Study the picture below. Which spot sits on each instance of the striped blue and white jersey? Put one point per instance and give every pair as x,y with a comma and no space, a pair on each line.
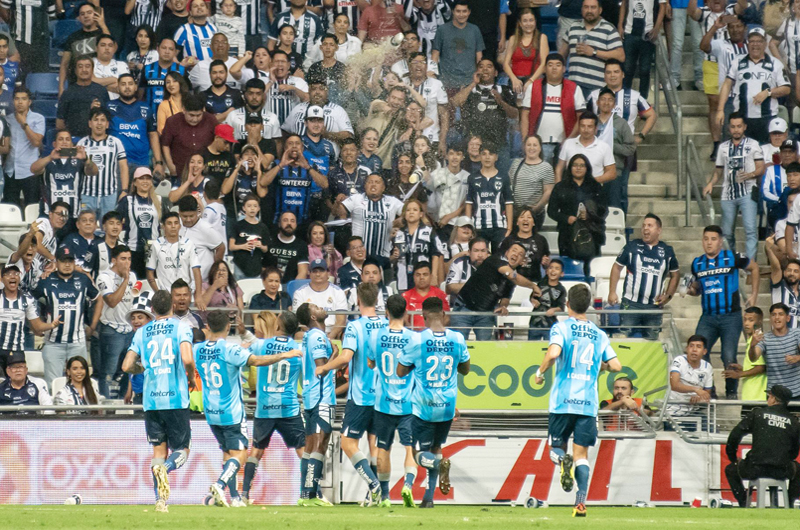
488,197
372,221
630,104
105,154
316,390
584,347
392,392
647,268
158,345
196,40
219,364
308,28
66,298
13,314
147,12
276,394
360,336
435,374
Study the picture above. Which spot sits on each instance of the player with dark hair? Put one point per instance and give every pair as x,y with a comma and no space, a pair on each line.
167,380
435,366
580,350
277,408
319,399
218,363
393,397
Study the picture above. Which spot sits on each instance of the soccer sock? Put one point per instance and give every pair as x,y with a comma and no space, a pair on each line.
433,477
557,454
411,474
155,462
425,459
315,463
582,478
361,464
249,474
373,465
175,461
233,485
304,491
384,478
229,470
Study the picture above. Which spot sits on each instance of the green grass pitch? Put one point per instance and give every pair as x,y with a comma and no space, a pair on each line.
442,517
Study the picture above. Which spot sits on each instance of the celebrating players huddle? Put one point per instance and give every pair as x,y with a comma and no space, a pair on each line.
401,382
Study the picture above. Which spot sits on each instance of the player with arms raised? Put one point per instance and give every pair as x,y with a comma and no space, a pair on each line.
277,407
219,364
580,350
393,397
435,366
165,398
319,399
359,338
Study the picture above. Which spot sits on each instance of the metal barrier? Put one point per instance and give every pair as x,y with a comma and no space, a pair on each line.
694,172
663,81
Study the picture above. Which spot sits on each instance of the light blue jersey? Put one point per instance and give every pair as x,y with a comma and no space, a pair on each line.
219,364
392,393
583,347
277,383
158,345
316,345
435,373
360,336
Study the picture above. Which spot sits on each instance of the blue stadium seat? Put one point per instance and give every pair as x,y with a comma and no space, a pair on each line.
49,138
62,29
294,285
46,107
44,86
573,270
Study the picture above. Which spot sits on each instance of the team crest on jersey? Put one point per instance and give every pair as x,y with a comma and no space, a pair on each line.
73,161
498,184
229,101
31,391
143,111
660,252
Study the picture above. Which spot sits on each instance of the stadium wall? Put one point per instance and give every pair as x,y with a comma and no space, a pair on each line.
107,462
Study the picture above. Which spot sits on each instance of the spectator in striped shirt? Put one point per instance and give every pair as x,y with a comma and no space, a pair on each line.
490,201
195,36
740,162
307,24
18,307
31,29
66,295
462,268
588,44
781,350
784,282
100,192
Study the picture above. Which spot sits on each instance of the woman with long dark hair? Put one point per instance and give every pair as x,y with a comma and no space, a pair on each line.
220,290
537,251
144,53
141,212
80,388
526,52
578,198
321,247
414,242
175,91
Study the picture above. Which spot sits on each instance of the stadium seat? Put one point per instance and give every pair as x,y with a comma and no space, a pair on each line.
602,288
552,240
31,213
614,245
601,267
573,270
46,107
10,214
33,358
250,287
763,485
549,225
615,221
62,29
294,285
57,384
44,86
11,226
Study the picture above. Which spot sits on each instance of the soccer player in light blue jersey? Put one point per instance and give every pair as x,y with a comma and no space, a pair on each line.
219,364
580,351
319,399
359,339
167,380
393,397
278,407
435,366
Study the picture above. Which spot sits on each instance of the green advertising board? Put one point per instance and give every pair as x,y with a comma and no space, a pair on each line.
502,374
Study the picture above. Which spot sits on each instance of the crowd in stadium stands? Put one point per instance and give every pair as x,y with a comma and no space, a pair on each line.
193,146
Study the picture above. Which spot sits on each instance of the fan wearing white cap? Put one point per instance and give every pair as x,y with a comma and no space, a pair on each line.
756,82
778,133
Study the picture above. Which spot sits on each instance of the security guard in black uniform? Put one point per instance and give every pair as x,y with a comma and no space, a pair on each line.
776,443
